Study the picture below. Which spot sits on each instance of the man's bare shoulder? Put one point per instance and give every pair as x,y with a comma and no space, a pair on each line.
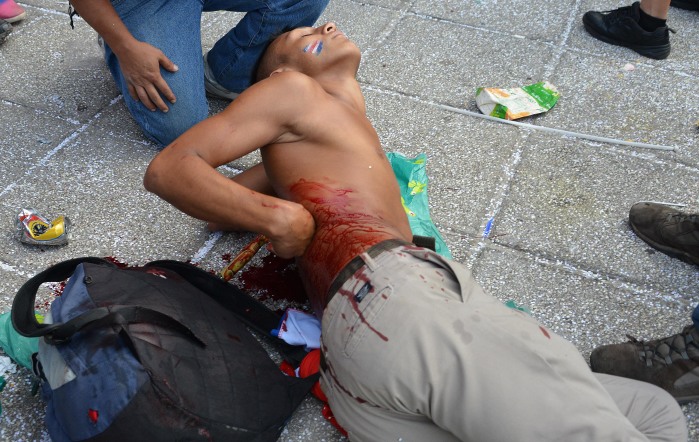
288,86
282,95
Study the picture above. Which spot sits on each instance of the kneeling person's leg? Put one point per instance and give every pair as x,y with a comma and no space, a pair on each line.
173,26
233,59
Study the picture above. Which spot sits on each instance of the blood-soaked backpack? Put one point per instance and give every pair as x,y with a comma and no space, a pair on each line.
156,353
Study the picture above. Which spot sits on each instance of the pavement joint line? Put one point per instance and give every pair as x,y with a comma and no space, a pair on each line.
12,269
59,147
206,248
615,280
42,9
213,236
232,169
638,62
467,26
653,159
42,112
561,47
561,132
388,29
509,171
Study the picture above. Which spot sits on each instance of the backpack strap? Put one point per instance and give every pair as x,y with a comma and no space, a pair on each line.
251,311
24,319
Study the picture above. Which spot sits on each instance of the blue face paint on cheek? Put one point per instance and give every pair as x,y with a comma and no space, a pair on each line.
314,48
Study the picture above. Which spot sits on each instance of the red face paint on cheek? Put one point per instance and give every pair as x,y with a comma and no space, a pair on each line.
314,48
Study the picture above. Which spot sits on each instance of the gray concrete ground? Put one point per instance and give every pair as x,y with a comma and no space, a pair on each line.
560,243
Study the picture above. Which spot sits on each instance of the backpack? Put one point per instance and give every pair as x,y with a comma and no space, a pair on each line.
161,352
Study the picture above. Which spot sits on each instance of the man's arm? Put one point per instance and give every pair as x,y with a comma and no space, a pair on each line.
185,174
140,62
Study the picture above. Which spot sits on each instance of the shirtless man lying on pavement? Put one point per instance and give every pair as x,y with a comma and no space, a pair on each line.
414,349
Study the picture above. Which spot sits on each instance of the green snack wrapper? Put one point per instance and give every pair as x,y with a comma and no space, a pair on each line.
514,103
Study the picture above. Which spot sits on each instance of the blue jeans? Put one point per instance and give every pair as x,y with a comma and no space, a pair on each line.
174,27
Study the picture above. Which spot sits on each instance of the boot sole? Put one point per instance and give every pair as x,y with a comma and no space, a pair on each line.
16,18
659,52
685,399
675,253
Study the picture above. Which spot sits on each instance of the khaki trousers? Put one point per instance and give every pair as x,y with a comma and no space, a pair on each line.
416,351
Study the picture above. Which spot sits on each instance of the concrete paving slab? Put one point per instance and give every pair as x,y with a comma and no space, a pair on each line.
597,95
48,6
397,5
367,32
576,208
61,71
443,62
512,18
114,119
466,160
100,189
22,414
309,424
25,135
215,25
572,310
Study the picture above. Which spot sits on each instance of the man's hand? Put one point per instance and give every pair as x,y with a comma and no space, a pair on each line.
140,63
293,230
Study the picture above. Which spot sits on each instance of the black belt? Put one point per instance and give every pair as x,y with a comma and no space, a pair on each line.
357,262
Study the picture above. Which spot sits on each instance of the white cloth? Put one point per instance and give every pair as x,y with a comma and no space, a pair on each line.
299,328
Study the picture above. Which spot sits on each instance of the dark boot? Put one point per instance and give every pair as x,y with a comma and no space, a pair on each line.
620,27
671,363
667,229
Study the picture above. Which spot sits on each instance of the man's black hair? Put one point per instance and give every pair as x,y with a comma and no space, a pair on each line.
269,42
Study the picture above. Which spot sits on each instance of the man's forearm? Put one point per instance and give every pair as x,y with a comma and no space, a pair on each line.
193,186
103,18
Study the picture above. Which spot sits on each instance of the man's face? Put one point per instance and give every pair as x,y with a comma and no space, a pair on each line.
315,48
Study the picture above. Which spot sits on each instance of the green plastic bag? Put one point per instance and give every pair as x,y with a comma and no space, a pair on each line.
412,180
16,346
2,387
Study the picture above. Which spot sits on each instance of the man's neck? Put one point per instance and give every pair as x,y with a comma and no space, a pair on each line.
344,89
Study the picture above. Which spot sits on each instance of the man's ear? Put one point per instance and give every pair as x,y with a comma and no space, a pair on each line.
280,70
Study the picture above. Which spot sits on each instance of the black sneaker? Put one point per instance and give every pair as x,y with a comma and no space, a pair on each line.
620,27
5,29
692,5
671,363
667,230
